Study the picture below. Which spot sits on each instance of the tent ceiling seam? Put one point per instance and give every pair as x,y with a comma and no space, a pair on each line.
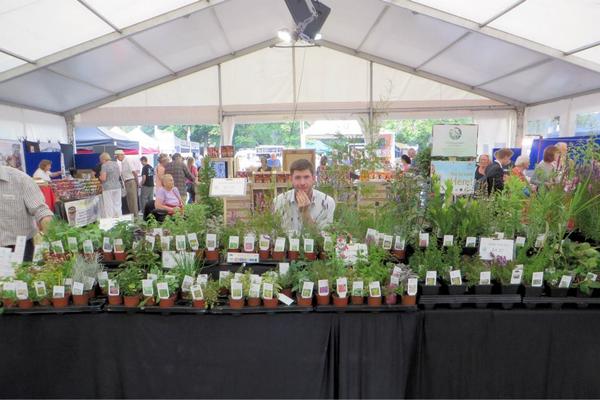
149,54
223,33
516,71
31,108
440,52
49,69
565,97
582,48
501,13
99,16
10,53
373,26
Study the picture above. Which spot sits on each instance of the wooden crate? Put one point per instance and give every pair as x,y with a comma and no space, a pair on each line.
291,155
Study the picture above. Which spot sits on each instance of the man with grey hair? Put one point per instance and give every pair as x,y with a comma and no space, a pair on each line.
129,174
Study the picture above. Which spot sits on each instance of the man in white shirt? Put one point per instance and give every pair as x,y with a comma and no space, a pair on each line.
129,174
304,205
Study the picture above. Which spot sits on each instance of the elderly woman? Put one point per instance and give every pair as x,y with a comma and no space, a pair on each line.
521,165
43,171
167,196
163,160
545,172
111,187
480,178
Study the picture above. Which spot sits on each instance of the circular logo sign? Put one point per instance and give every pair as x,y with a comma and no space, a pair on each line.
455,133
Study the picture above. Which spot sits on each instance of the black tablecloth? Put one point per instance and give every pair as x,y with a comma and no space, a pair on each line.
446,353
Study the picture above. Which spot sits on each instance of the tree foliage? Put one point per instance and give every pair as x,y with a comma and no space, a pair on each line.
417,132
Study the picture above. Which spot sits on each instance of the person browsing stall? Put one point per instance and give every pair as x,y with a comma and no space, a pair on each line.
111,187
147,190
168,197
22,209
494,173
179,172
129,174
304,205
43,171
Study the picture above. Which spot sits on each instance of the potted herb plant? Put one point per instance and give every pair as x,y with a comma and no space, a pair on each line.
270,297
130,284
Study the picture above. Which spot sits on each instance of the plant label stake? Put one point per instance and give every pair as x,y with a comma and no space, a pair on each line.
152,277
254,291
107,245
254,278
294,244
394,280
565,281
591,277
113,288
89,283
455,277
307,289
412,286
357,288
423,239
234,243
102,279
169,261
77,288
485,278
431,278
197,293
387,242
264,242
323,285
537,279
284,299
499,235
88,247
163,290
157,232
517,275
471,241
187,283
399,243
40,289
202,279
57,247
371,236
267,291
327,243
119,248
236,290
68,282
280,244
38,251
148,287
223,275
193,241
539,241
397,271
211,241
180,243
284,268
58,292
151,240
165,243
520,241
72,244
374,289
21,290
309,245
448,240
341,286
249,243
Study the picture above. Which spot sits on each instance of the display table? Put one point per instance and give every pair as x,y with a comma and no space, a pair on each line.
439,353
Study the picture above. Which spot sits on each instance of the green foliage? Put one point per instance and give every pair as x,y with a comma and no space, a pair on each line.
417,132
214,205
130,280
282,134
59,229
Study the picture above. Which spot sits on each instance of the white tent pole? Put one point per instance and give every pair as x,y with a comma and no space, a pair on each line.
371,127
70,122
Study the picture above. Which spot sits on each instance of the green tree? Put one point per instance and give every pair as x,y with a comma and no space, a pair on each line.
206,135
252,135
417,132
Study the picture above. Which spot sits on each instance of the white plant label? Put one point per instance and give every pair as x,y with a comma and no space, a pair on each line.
539,241
294,244
485,278
202,279
223,275
520,241
119,248
565,281
394,280
341,286
169,261
499,235
412,286
267,292
591,277
40,289
152,277
537,279
234,243
431,278
307,290
197,293
165,243
471,241
211,241
88,247
309,245
448,240
374,289
387,242
157,232
279,244
284,299
517,276
254,291
72,244
102,278
19,252
255,278
180,243
357,288
107,245
21,290
249,243
264,242
187,283
113,288
455,277
423,239
193,241
236,290
147,287
327,243
399,243
57,247
371,235
58,292
151,241
77,288
284,268
396,271
490,248
163,290
323,285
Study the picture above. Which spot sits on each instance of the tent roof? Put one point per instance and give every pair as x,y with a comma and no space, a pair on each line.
88,137
518,52
148,144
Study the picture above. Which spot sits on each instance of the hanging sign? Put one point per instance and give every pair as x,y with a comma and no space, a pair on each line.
454,141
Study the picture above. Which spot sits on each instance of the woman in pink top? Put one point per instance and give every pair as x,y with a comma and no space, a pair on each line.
167,196
163,160
190,186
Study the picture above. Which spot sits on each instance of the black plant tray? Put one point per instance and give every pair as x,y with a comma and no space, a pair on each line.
366,308
280,309
558,302
95,306
181,307
480,301
112,264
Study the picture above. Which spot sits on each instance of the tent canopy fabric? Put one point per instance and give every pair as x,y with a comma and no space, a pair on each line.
148,145
89,137
502,52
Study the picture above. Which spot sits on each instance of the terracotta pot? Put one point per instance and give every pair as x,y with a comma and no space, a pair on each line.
236,303
399,254
302,302
150,301
223,291
310,256
233,250
44,302
199,254
323,300
8,302
25,303
323,255
287,292
374,301
409,300
131,301
115,300
271,303
166,303
211,255
199,304
120,256
107,256
340,301
60,302
358,299
80,299
390,299
253,301
278,255
263,254
293,255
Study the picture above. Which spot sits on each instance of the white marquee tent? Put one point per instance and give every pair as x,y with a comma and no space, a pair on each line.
120,62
